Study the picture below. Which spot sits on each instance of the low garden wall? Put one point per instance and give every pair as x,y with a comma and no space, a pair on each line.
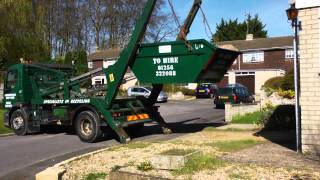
239,109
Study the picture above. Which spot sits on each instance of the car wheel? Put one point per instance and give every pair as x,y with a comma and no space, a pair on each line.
19,122
87,127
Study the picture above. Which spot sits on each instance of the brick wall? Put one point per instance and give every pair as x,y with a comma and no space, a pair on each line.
310,79
273,59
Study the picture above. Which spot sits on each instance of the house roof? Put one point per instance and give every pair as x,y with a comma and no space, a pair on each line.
260,44
105,54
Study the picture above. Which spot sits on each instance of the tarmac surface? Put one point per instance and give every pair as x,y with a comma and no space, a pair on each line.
23,157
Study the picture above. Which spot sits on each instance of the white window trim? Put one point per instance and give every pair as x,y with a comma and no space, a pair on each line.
289,54
254,55
90,64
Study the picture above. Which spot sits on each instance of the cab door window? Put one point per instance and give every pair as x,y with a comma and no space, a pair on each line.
12,78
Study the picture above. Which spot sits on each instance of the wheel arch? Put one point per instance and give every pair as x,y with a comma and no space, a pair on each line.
82,108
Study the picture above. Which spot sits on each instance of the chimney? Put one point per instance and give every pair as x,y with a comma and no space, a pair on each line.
249,37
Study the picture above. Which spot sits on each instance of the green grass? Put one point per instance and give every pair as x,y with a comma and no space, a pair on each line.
235,145
145,166
238,176
177,152
248,118
227,130
134,145
200,162
3,130
137,145
95,176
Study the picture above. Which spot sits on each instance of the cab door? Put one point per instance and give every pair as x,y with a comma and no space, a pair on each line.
11,88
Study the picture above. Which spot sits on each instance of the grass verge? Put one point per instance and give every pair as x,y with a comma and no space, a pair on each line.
199,162
134,145
95,176
209,129
177,152
3,130
230,146
248,118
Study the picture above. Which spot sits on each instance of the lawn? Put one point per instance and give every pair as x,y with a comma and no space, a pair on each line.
248,118
3,130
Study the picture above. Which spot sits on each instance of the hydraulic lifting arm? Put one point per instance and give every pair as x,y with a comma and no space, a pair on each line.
115,73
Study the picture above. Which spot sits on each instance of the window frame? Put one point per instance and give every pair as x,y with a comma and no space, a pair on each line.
10,89
253,55
289,55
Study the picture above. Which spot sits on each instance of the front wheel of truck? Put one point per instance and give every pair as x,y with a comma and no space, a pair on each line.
19,122
87,127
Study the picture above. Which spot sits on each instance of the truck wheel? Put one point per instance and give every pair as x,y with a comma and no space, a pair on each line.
87,127
19,122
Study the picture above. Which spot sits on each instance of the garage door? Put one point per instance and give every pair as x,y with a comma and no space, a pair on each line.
247,81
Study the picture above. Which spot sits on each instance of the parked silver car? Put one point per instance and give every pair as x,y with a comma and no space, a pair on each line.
146,91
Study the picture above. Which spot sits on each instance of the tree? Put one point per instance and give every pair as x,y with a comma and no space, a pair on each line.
233,30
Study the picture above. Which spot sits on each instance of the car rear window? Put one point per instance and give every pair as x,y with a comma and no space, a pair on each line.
204,85
225,91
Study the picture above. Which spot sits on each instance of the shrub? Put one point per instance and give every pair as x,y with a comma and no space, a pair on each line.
286,93
176,88
273,83
288,81
96,176
145,166
282,118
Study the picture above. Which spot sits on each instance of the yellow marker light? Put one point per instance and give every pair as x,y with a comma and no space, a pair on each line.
137,117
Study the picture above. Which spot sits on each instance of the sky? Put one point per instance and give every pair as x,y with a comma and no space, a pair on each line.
271,12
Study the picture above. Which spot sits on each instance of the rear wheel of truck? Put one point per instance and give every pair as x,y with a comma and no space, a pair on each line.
19,122
87,127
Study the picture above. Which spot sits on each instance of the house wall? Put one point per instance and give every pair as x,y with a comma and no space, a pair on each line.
273,59
261,76
309,79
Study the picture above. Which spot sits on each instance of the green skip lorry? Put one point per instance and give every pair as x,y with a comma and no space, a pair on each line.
44,94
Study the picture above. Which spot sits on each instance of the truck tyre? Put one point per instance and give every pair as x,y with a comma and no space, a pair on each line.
19,122
87,127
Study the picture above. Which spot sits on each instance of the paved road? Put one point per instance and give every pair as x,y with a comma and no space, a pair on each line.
22,157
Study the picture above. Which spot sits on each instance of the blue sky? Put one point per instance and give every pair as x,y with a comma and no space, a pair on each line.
271,12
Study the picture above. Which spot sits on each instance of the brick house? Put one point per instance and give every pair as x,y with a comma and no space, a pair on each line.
105,58
309,46
102,58
260,60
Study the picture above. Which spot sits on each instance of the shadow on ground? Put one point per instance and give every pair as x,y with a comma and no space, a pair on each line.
280,127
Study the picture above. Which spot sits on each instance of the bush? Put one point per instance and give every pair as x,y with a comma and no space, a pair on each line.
288,81
282,118
286,94
176,88
273,83
145,166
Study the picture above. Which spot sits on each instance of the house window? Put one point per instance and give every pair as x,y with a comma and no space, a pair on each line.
289,54
253,57
90,64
